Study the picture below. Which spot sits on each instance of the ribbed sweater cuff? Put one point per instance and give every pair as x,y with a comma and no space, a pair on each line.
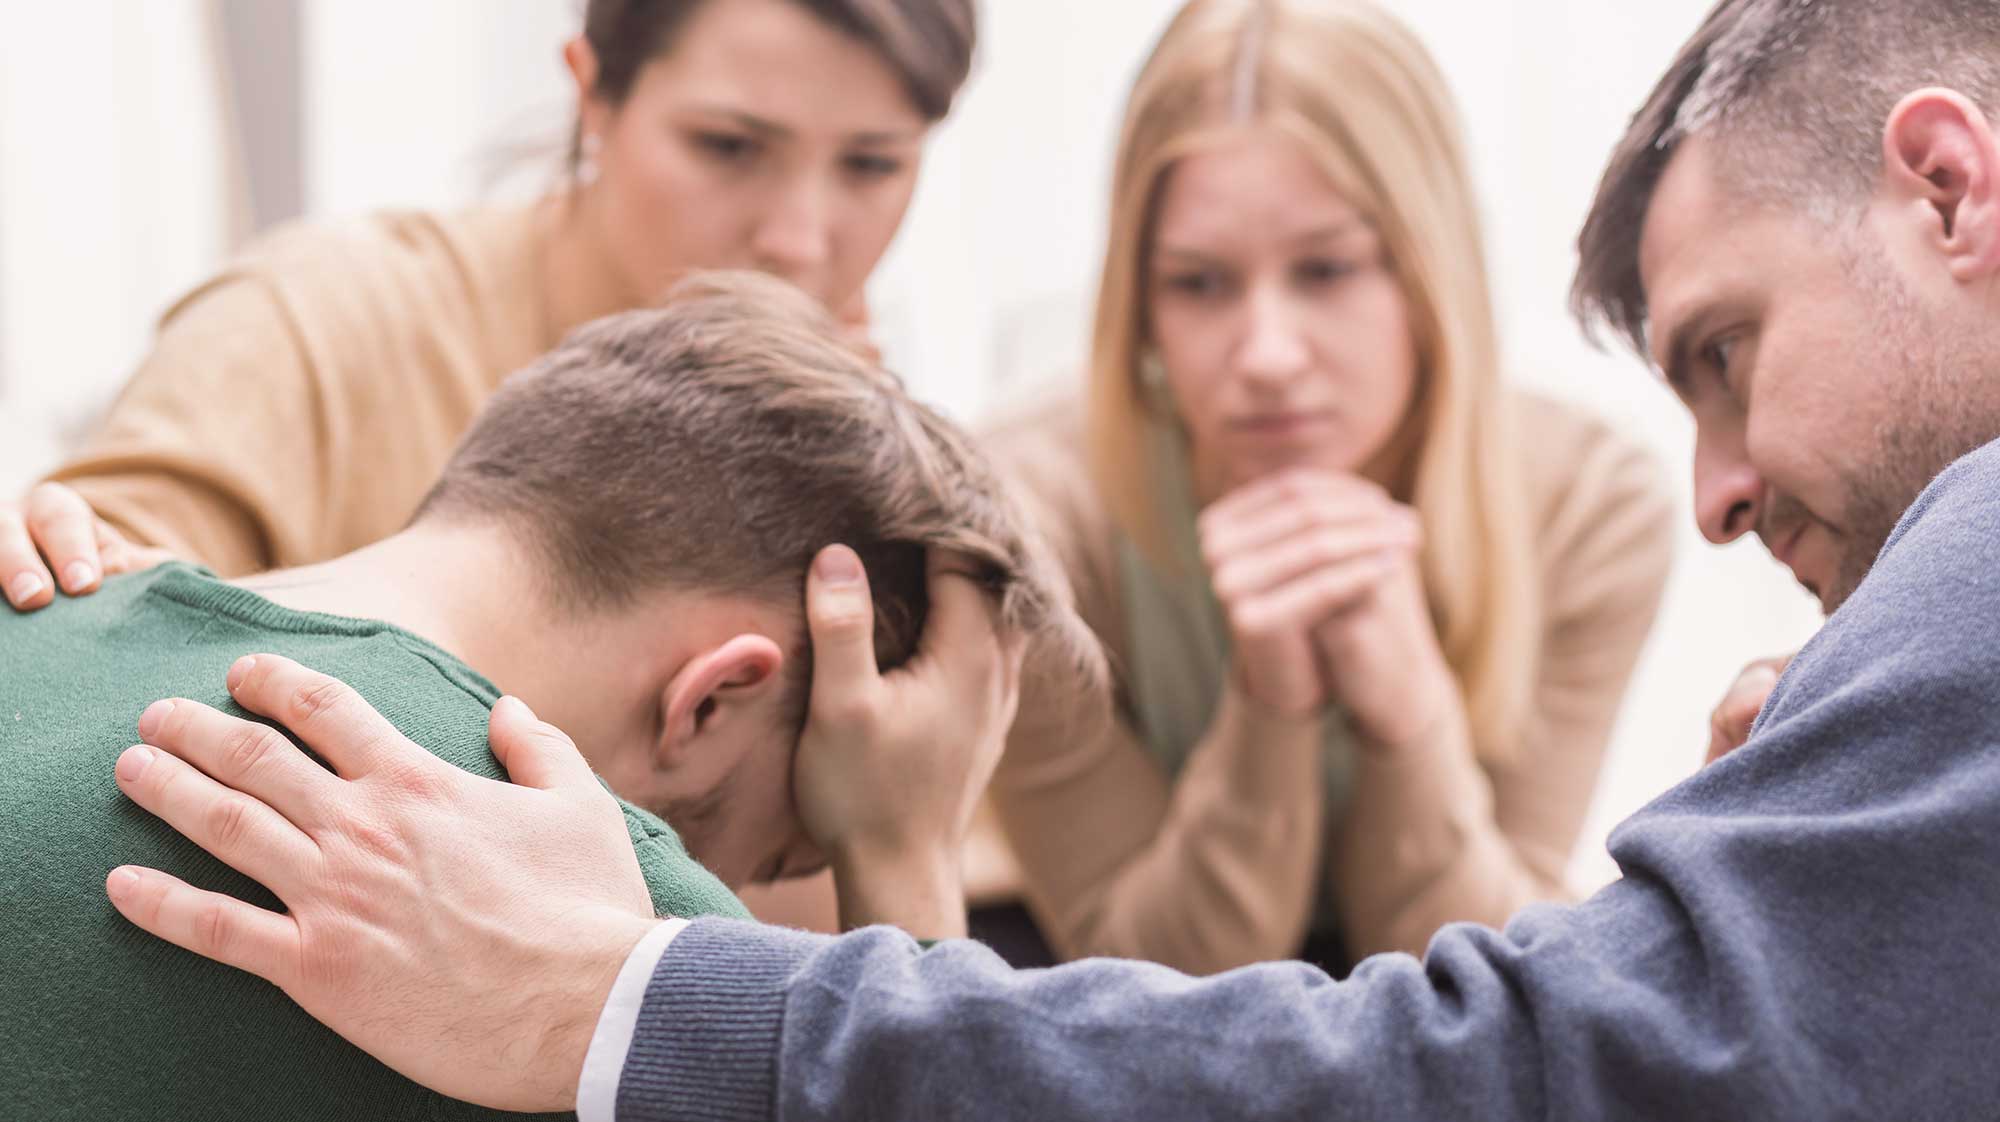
707,1041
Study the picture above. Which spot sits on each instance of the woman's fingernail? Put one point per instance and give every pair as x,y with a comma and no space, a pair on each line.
26,587
149,721
79,574
134,763
240,670
838,565
510,699
121,885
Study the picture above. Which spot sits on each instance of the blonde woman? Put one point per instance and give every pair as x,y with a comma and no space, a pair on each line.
1373,611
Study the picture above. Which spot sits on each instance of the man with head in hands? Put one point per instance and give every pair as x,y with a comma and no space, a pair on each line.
622,542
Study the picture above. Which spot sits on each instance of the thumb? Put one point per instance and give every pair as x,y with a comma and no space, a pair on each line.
535,753
840,615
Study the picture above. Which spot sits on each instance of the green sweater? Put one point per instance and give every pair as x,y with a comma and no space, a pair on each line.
99,1020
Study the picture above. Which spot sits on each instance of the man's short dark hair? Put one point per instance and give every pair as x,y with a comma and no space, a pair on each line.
717,444
1795,93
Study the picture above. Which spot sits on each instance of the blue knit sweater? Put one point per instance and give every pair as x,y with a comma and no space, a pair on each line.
1804,931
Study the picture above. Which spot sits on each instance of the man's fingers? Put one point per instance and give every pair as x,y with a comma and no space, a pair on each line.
65,529
840,616
208,923
24,580
535,753
323,712
253,758
963,634
235,828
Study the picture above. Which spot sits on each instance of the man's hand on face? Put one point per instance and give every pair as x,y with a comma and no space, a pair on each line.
1729,725
465,932
891,767
53,538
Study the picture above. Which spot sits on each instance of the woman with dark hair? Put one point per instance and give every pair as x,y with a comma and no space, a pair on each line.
297,405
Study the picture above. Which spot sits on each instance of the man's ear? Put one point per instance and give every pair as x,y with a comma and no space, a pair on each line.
715,685
1939,151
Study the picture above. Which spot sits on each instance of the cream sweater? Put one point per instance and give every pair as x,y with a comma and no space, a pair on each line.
300,404
1220,865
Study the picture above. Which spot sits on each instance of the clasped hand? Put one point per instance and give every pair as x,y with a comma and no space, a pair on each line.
1319,578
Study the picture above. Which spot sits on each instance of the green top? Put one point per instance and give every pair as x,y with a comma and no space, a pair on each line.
99,1020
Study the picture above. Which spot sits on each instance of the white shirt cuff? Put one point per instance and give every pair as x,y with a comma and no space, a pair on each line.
597,1090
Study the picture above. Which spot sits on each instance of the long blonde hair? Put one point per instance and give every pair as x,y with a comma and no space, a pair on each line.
1361,96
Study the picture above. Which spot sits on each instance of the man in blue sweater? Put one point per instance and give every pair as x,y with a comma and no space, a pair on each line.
1803,228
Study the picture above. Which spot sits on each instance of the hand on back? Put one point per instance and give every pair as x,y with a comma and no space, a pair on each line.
464,931
53,539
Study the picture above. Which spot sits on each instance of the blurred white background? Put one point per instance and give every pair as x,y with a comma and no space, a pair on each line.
130,167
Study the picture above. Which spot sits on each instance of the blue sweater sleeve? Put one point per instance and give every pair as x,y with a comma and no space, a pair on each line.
1802,931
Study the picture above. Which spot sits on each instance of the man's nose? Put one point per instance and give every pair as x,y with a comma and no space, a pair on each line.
1729,493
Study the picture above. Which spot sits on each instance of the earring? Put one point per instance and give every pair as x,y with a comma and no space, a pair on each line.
586,161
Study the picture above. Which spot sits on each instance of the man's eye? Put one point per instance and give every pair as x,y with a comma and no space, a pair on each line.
1717,354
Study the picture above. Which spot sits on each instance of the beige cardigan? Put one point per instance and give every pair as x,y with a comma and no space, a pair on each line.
1221,866
300,404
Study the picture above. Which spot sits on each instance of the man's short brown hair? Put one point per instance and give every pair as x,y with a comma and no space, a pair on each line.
717,444
1796,94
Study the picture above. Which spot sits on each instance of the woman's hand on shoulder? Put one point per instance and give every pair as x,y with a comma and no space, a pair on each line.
1290,553
53,531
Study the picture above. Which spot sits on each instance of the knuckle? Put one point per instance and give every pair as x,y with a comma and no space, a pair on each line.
247,746
316,697
849,711
1225,584
415,783
382,845
228,821
210,928
1250,622
846,621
